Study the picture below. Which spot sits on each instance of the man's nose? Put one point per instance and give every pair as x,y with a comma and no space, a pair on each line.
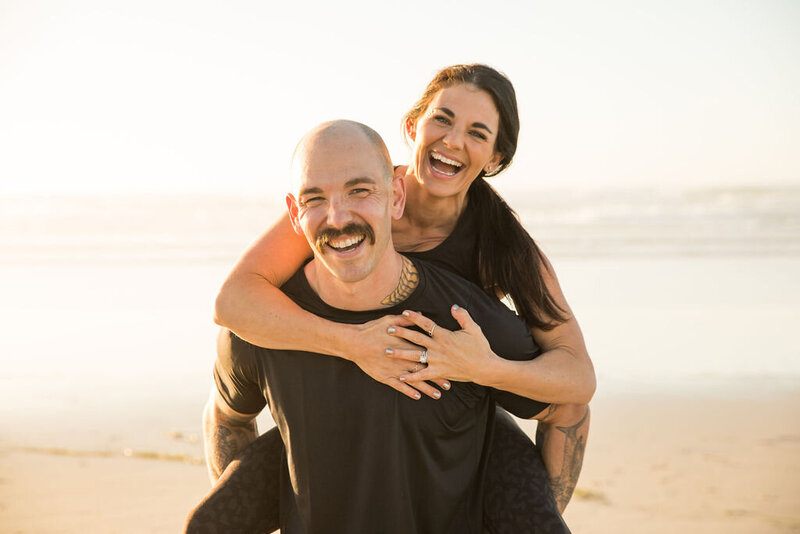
338,213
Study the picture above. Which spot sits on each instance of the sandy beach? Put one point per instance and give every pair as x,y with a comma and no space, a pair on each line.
656,463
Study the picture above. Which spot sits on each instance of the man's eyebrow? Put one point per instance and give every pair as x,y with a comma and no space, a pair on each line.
360,180
310,191
452,115
349,183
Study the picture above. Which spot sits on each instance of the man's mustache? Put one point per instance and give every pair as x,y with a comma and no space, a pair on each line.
327,234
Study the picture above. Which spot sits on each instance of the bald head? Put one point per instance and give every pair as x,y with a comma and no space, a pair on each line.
357,140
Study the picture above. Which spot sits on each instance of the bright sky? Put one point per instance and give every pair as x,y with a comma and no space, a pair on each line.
170,96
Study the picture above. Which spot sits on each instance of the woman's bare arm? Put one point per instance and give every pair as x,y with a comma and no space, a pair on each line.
251,305
562,374
564,370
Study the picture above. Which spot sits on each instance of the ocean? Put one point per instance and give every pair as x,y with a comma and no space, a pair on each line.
107,301
568,223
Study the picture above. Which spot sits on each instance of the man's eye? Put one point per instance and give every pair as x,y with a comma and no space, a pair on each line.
312,200
360,191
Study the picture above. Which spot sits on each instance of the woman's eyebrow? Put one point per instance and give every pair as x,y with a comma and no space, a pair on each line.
452,115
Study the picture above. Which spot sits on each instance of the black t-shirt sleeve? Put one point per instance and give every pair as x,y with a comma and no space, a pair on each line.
236,374
511,339
522,407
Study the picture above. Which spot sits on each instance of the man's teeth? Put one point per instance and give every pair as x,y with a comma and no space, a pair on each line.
347,242
436,155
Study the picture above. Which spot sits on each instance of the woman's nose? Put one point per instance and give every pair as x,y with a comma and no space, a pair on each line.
454,139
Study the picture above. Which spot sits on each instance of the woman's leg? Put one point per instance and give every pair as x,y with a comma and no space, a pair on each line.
517,493
245,499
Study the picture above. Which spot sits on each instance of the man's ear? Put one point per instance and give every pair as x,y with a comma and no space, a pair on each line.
291,207
398,196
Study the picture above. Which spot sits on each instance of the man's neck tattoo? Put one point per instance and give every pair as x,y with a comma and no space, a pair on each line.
409,279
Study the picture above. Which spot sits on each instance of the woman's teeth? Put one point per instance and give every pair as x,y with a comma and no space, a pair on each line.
445,165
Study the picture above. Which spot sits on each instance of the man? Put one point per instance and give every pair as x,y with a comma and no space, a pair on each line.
360,457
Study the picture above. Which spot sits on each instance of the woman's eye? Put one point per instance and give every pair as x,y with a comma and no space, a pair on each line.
479,135
441,119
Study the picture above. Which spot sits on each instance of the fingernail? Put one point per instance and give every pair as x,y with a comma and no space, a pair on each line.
406,314
390,330
437,394
417,396
402,379
389,351
456,306
446,385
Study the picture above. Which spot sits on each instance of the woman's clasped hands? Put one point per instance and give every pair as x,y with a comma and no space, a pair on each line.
461,355
389,371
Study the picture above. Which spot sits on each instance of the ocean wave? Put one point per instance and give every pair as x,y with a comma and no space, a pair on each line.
734,221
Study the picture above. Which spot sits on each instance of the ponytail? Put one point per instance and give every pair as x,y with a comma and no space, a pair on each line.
510,261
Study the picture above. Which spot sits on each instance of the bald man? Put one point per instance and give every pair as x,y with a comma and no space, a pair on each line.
361,457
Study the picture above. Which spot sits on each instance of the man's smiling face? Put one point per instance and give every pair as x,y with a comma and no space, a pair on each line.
344,202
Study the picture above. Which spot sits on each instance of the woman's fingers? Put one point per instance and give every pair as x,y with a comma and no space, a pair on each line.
418,338
463,317
409,355
420,376
442,383
399,320
404,388
407,388
424,387
427,325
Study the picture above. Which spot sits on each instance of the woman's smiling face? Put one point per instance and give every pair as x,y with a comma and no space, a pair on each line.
454,140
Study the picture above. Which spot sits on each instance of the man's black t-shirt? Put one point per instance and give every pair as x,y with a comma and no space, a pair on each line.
361,456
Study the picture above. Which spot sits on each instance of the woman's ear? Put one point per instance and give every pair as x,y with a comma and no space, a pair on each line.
411,129
493,163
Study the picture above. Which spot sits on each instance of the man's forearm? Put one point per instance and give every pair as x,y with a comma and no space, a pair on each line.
224,440
562,439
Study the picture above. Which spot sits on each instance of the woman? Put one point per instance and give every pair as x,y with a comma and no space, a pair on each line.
463,128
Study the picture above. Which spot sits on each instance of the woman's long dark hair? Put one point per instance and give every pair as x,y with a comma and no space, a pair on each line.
508,258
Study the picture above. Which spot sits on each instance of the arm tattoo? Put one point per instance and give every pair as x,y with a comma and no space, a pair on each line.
550,410
225,443
409,279
574,447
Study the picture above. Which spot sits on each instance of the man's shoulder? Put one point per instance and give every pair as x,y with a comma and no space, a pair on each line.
299,290
501,326
440,280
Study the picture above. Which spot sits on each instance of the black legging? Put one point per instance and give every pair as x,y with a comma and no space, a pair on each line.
517,497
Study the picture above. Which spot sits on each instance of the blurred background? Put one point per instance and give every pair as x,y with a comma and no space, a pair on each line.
144,145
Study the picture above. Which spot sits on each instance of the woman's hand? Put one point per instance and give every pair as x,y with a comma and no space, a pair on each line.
461,355
369,352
